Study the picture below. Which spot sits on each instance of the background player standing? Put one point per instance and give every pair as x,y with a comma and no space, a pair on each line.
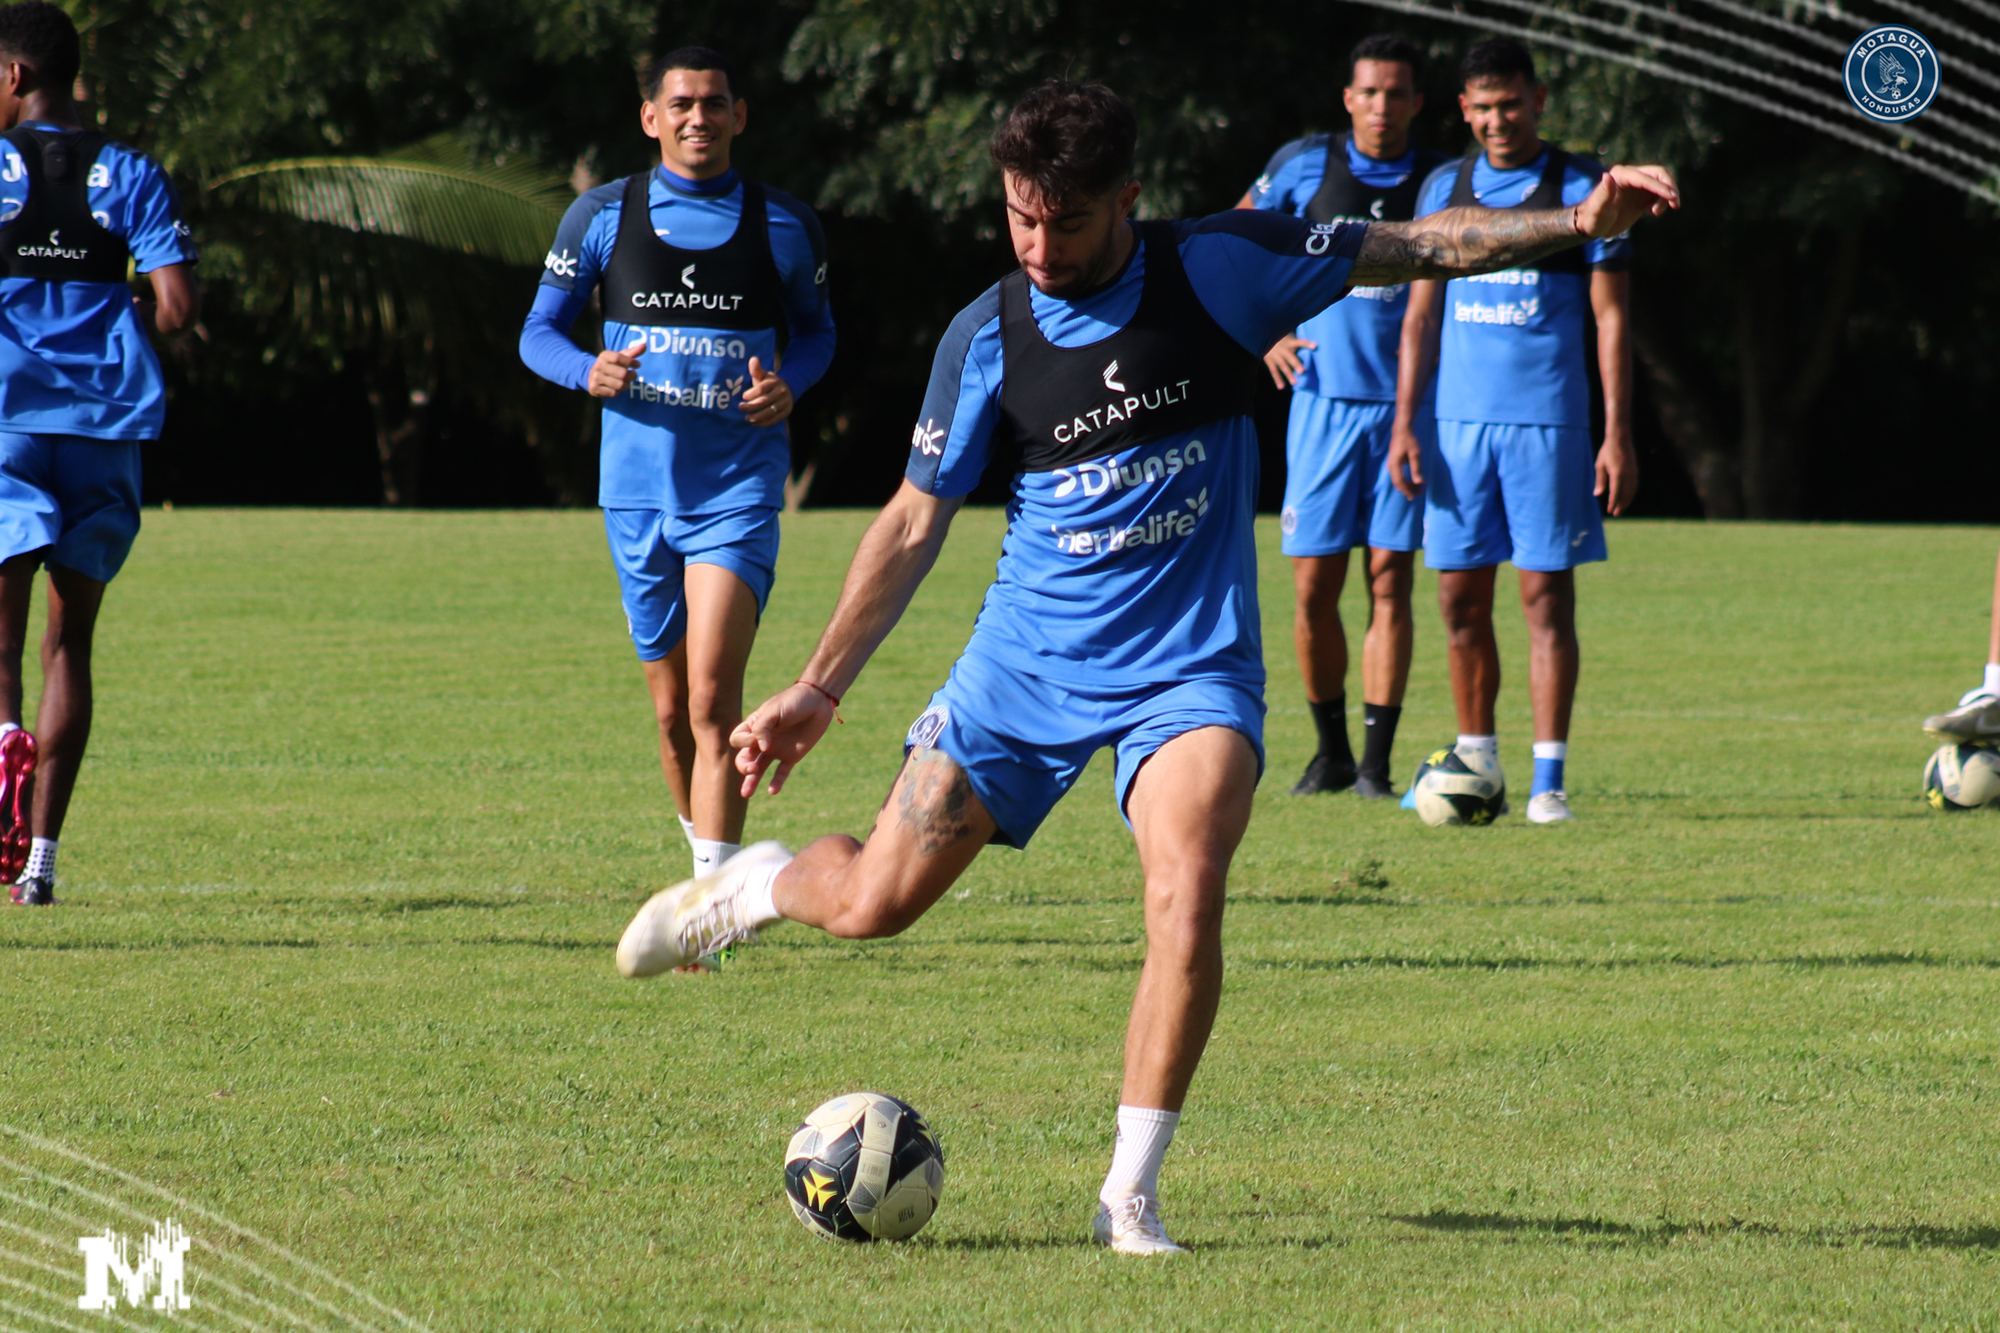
715,318
1123,612
80,390
1337,491
1512,476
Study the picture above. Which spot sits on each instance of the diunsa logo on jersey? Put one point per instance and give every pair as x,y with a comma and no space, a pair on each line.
925,438
1111,475
1891,73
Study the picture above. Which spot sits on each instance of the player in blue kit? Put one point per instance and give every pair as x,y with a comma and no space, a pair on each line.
80,391
715,320
1112,377
1512,476
1337,491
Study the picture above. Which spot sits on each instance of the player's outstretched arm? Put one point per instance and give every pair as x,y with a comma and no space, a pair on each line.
1455,242
895,554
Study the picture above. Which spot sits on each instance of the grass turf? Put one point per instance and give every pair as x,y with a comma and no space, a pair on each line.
371,796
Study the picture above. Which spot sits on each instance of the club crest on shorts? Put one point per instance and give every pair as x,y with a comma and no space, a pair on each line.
1891,73
1288,521
925,731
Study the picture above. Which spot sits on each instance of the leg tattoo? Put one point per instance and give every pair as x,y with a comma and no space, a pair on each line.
932,800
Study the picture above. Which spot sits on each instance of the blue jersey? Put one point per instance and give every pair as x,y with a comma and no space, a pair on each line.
1138,567
74,359
1513,347
678,440
1358,338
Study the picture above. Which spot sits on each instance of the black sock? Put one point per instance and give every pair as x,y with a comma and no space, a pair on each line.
1331,719
1378,737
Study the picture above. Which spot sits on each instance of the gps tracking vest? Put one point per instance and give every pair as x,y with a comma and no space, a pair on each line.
1170,370
1548,194
54,238
1342,198
733,286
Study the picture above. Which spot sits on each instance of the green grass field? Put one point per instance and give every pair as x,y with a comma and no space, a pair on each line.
372,795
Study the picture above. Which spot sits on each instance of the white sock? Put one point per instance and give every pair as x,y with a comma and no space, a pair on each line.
1143,1136
1551,749
6,727
755,900
41,857
1474,744
687,827
709,854
1992,680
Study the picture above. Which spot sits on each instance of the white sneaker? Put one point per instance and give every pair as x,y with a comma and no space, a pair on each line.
1551,807
1975,720
1133,1227
695,919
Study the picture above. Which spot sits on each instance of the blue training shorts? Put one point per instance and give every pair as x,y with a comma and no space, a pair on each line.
76,498
1023,740
652,550
1337,490
1520,493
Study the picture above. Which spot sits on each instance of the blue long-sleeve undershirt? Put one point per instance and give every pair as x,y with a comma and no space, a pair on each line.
549,351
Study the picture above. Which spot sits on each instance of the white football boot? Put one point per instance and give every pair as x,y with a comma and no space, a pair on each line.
695,919
1487,763
1551,807
1976,720
1133,1227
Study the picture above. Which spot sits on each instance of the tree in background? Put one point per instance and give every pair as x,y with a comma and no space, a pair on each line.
1788,319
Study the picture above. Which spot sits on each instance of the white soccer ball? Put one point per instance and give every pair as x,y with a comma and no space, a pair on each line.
864,1167
1451,791
1962,777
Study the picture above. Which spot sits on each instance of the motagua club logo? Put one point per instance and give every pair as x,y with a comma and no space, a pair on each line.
1891,73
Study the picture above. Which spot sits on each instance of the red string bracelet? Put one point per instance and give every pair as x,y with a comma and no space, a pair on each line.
829,697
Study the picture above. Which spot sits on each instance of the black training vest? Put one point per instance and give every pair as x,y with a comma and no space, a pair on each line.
1169,370
1548,194
1342,197
53,237
733,286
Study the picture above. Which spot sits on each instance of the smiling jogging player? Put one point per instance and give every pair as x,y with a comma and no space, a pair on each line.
1341,366
715,319
1112,376
80,388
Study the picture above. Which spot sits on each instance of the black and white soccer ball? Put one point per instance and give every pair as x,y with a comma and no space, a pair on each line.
1962,777
1451,791
864,1167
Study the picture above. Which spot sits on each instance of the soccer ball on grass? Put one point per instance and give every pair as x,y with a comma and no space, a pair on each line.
1451,791
864,1167
1962,777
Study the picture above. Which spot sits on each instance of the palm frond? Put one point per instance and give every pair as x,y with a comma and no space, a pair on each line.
436,192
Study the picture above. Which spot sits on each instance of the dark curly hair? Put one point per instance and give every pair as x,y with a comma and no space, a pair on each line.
1068,141
1497,59
44,37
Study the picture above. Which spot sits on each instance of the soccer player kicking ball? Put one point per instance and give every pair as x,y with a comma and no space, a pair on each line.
1976,720
1341,366
1511,476
715,318
1116,368
80,390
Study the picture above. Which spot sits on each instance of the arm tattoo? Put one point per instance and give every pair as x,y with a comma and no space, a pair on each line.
931,800
1456,242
